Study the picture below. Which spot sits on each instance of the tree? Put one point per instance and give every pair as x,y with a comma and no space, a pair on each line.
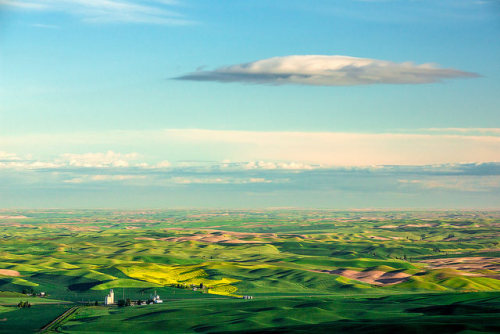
128,302
22,304
121,303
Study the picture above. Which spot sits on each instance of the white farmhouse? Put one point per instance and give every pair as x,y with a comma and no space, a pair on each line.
156,298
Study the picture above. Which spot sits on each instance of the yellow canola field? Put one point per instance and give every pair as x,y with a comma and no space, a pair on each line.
179,274
227,290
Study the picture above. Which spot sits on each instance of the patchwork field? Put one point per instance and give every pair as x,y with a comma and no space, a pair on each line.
357,270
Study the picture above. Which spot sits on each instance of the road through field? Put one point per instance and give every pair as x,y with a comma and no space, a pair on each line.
59,319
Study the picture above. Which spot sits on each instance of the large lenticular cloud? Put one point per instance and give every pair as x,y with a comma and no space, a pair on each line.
322,70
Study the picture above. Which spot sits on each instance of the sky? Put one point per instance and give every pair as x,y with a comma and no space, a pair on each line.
338,104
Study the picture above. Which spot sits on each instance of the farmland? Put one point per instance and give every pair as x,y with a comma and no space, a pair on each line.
334,270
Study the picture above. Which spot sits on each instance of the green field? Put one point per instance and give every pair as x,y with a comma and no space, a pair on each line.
357,271
404,313
13,320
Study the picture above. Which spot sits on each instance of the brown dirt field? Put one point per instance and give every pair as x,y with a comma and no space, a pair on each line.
211,238
465,263
208,215
83,229
215,236
23,225
419,225
8,272
375,277
464,226
13,217
237,234
239,241
221,236
69,226
388,226
261,225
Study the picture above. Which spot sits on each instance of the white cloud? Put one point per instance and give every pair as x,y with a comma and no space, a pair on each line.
86,160
76,180
118,177
99,160
107,11
104,178
253,149
12,160
342,149
492,131
6,156
277,165
459,183
322,70
221,180
162,164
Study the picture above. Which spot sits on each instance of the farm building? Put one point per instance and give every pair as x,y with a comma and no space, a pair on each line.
156,298
110,299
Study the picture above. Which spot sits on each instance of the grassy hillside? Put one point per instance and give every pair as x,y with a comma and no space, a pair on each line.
77,256
407,313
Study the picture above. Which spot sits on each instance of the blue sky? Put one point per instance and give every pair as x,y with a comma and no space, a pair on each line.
114,103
